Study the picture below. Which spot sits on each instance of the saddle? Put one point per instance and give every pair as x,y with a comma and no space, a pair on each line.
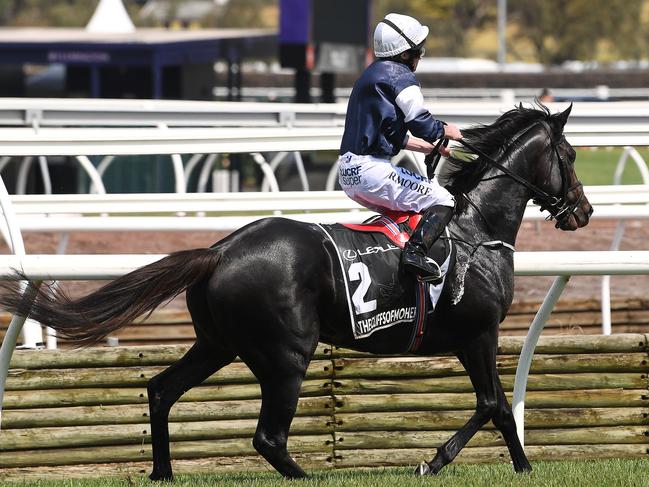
386,305
397,226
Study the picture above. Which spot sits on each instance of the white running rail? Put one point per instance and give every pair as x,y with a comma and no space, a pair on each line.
229,211
27,143
66,112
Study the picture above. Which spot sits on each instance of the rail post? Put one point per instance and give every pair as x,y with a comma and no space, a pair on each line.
525,359
33,333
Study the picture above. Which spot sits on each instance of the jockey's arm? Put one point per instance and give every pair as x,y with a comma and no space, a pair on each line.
420,121
420,145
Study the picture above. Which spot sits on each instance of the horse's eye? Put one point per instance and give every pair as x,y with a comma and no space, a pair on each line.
569,156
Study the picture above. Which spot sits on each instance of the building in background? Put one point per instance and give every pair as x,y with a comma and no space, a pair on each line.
110,58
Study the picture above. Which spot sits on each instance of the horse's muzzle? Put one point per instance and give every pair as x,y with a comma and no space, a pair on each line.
580,210
583,213
578,218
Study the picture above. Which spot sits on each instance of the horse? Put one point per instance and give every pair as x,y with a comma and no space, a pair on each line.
270,291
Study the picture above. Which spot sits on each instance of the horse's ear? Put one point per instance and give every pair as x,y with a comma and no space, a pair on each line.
562,117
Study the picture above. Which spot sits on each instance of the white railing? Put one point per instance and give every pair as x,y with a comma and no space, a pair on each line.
65,112
142,141
110,266
138,140
60,127
205,143
257,202
229,211
245,202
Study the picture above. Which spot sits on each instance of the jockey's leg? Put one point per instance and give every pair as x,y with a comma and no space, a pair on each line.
414,258
381,186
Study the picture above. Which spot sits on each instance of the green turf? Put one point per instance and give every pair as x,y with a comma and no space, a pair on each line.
597,166
623,473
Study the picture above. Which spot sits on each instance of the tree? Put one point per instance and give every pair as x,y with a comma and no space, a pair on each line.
448,20
248,14
561,30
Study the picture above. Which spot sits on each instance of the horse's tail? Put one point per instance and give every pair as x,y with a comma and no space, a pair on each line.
91,318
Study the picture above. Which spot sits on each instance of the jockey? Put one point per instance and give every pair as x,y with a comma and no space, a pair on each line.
386,102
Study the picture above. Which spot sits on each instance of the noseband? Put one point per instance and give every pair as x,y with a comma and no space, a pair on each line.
559,207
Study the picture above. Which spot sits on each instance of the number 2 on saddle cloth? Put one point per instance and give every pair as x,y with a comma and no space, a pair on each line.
382,299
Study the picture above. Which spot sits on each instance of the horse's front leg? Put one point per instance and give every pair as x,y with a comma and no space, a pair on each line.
479,360
503,419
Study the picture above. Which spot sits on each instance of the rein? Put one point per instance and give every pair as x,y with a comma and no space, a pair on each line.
539,194
559,208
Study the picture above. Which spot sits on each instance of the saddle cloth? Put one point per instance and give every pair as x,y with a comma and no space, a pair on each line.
381,297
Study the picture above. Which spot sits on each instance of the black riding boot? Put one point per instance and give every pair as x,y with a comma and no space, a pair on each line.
414,257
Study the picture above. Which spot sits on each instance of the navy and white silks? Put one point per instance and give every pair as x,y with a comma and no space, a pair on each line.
386,102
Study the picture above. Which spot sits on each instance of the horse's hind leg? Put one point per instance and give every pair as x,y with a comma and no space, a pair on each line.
280,365
165,389
279,402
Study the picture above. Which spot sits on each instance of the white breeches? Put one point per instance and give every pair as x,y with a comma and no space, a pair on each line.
379,185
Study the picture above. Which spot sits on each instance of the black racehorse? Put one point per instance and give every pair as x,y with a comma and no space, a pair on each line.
271,290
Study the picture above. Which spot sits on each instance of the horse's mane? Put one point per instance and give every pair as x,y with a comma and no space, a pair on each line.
460,176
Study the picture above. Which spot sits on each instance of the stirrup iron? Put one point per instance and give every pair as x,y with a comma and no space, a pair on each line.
426,270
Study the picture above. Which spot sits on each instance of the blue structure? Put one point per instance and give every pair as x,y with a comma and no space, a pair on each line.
148,63
327,36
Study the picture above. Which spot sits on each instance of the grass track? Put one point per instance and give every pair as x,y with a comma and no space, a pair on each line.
622,473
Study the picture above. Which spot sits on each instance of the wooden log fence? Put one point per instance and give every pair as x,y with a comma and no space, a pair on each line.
75,413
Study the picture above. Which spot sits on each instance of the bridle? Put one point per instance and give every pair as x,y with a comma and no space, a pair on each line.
560,209
558,206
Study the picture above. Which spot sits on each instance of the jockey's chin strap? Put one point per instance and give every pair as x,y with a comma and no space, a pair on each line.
559,208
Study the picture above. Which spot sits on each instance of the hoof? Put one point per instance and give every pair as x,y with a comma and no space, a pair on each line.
296,477
161,477
422,469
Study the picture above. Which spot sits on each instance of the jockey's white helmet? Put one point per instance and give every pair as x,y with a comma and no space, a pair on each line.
397,33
